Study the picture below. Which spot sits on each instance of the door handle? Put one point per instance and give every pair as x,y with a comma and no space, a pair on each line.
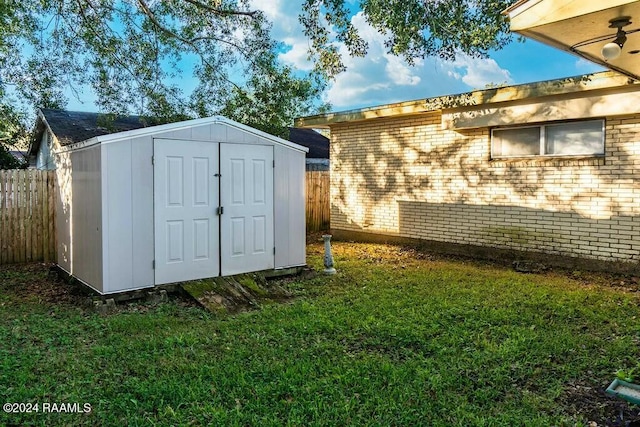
220,210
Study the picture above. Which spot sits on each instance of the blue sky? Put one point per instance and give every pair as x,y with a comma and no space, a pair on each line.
381,78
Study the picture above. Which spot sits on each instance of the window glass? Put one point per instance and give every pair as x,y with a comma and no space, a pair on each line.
574,138
558,139
516,142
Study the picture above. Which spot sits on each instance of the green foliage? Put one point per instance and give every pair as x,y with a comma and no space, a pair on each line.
133,56
414,28
13,134
629,375
7,161
393,339
272,96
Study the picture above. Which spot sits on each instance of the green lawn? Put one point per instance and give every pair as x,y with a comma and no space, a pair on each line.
396,338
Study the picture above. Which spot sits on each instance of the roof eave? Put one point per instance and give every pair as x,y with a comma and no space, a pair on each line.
39,128
119,136
589,82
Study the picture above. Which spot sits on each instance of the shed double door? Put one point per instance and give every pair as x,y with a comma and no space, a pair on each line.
213,209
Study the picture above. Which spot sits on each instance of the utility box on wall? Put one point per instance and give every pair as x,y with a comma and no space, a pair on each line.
176,202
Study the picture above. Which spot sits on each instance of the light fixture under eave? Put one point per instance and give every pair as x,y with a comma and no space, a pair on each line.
612,50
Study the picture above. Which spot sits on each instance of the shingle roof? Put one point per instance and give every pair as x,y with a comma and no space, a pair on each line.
70,127
75,126
318,144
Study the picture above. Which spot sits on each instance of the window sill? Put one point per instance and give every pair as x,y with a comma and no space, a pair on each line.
583,160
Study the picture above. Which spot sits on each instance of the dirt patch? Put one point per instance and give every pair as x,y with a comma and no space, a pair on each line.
39,283
597,408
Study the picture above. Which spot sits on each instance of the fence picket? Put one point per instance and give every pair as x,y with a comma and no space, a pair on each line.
4,221
318,212
27,216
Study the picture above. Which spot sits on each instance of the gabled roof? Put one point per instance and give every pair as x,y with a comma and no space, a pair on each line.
317,143
75,129
70,127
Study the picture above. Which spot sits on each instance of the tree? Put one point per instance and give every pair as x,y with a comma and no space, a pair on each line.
132,54
414,28
7,161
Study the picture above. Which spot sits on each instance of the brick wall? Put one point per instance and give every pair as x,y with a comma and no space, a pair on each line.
408,177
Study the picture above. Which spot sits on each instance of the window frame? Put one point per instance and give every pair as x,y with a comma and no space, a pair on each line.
542,127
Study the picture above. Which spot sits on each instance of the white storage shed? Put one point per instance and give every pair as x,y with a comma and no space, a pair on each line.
176,202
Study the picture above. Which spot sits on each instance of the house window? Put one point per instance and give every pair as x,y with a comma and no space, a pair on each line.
562,139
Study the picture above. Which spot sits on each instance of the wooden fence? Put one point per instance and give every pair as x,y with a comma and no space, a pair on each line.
27,216
318,204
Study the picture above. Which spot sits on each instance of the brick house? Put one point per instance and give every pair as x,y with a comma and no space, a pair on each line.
549,170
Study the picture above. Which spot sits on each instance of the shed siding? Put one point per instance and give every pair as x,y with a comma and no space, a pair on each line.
128,201
289,205
87,216
408,177
118,220
142,211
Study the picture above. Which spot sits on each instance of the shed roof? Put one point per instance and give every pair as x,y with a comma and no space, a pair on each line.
76,129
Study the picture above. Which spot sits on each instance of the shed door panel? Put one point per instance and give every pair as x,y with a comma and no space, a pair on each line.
246,193
185,200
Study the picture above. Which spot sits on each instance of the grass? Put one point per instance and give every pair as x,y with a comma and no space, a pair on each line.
396,338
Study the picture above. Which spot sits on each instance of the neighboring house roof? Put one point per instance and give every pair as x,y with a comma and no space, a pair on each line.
317,143
18,155
561,99
74,126
70,127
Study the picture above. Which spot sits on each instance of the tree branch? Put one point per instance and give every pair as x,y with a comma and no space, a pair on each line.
222,12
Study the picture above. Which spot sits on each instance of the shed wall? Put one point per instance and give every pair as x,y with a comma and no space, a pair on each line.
408,177
127,191
128,214
86,230
289,206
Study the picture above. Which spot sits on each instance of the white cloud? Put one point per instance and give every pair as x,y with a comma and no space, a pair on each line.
280,13
379,77
481,71
297,53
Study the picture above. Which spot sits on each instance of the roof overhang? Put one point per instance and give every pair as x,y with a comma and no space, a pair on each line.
566,89
582,28
40,127
151,130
